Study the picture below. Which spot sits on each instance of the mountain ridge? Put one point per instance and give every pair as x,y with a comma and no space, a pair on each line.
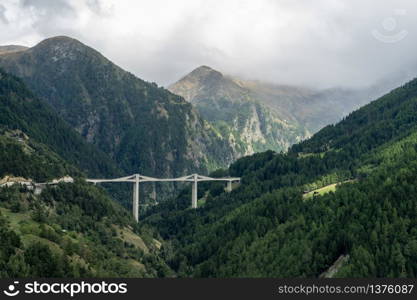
12,48
238,116
310,108
142,127
348,191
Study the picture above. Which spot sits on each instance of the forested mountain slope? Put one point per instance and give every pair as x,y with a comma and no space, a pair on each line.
391,117
69,229
143,128
349,192
20,109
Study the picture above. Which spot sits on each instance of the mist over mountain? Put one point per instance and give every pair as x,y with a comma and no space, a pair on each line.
325,43
237,113
309,109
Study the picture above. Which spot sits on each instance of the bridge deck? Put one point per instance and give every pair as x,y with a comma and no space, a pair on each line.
137,178
190,178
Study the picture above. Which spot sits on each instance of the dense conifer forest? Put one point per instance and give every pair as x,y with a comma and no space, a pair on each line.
348,194
267,227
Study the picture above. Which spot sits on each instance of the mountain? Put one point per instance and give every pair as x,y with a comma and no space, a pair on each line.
236,113
11,48
258,116
316,108
340,204
21,110
142,127
67,229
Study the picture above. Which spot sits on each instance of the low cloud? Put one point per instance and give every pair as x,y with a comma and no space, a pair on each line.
320,43
3,15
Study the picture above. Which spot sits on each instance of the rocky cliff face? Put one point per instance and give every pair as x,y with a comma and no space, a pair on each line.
313,108
256,116
143,127
235,112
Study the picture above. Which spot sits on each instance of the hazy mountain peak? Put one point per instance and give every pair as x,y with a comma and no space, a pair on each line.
203,75
204,71
202,82
12,48
59,39
62,48
234,111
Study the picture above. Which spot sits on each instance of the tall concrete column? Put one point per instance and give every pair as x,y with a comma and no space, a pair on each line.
136,198
194,192
229,186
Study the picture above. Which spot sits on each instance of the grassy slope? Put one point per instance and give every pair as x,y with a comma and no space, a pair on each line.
80,225
78,222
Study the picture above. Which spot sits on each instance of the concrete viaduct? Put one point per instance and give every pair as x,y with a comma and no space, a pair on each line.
137,178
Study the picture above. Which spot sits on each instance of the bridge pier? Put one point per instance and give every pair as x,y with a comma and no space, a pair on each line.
229,186
136,179
194,192
135,206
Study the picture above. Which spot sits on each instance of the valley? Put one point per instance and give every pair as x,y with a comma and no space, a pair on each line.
266,228
141,127
335,201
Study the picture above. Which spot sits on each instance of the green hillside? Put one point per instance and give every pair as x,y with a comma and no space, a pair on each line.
344,200
70,229
268,228
20,109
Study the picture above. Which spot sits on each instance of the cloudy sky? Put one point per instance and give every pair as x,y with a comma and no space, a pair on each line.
304,42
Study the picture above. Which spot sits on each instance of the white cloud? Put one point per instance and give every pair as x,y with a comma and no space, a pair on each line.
318,43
